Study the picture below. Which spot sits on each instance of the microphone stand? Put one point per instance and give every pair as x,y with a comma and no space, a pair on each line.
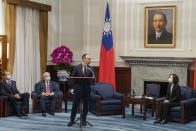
80,118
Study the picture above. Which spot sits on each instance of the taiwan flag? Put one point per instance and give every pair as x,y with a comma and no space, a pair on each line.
107,60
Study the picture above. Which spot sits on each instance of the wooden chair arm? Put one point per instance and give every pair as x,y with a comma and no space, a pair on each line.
98,105
1,107
34,104
182,113
60,103
6,107
157,108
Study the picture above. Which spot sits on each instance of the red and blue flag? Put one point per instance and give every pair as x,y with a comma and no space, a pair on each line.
107,60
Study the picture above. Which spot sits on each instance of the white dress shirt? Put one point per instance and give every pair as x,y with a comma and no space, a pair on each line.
158,35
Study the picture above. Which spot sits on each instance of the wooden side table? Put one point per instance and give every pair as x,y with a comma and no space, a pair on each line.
133,101
64,87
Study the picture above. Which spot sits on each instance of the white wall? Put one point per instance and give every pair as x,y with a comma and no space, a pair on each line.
81,26
2,18
72,26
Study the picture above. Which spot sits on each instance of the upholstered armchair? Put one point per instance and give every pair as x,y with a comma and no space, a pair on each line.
1,107
103,99
8,108
36,100
187,109
152,90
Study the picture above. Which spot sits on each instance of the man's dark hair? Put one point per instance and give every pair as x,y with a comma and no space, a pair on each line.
161,13
175,78
84,55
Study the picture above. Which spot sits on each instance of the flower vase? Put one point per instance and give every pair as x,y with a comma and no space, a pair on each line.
63,75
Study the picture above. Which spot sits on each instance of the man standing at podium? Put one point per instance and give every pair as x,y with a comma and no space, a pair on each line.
82,88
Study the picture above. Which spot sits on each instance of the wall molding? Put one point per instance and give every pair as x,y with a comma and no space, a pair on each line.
157,1
118,63
190,24
117,27
60,23
86,47
160,50
125,27
132,25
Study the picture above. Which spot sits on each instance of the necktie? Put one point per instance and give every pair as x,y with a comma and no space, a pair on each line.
84,69
47,87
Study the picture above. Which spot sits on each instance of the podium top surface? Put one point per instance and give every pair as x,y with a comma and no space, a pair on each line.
81,77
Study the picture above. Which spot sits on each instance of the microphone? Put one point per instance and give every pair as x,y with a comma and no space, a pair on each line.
133,92
92,72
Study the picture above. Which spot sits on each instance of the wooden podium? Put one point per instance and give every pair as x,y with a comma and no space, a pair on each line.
81,103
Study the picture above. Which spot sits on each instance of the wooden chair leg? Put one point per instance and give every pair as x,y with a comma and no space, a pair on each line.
6,108
34,104
60,103
157,109
1,107
98,106
140,108
182,114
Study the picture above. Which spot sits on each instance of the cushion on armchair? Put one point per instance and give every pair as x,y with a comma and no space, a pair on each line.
186,93
152,90
111,101
105,90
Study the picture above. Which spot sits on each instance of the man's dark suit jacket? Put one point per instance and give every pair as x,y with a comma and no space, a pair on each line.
42,87
10,90
82,85
175,96
2,90
165,38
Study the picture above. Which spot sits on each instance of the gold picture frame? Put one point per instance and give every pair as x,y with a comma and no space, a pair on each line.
160,27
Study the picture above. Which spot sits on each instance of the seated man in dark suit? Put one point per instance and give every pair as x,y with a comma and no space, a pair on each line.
10,90
47,91
2,91
173,98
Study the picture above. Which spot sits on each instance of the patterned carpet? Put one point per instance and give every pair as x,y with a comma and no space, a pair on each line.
35,122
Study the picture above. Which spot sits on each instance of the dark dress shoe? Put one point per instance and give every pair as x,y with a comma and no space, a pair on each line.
24,114
157,121
51,112
19,115
84,123
163,122
44,114
70,123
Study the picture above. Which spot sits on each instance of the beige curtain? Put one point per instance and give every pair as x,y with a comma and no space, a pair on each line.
11,33
43,36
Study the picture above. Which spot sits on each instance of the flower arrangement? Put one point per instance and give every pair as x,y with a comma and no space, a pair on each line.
62,57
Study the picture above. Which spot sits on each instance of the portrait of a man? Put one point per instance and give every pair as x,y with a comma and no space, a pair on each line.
160,27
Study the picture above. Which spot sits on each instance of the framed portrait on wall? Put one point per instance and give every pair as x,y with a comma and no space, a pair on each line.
160,27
